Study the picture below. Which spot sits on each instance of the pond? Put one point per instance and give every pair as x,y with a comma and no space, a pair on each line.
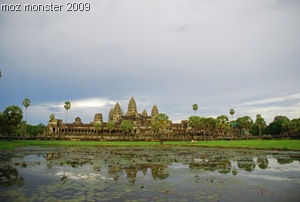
162,173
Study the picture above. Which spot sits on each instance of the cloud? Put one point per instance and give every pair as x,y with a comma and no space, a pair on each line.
286,105
92,102
217,54
286,98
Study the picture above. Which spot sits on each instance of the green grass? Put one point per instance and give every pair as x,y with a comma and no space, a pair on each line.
251,144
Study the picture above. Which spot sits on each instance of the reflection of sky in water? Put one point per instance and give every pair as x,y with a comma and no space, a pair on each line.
82,176
274,171
178,166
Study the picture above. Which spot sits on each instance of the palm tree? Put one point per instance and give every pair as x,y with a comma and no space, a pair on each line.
126,126
110,126
67,106
52,117
231,112
97,126
222,123
194,123
244,124
260,123
195,108
26,103
160,123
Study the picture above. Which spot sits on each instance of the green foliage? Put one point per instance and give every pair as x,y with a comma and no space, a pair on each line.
32,130
13,115
97,126
208,124
223,119
194,122
222,124
244,124
293,127
259,125
52,117
67,105
26,102
195,107
110,125
4,129
276,127
281,125
231,112
160,123
126,126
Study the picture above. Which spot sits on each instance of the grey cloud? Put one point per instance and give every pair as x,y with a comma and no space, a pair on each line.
174,53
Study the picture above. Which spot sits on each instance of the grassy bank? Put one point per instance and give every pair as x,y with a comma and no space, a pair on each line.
251,144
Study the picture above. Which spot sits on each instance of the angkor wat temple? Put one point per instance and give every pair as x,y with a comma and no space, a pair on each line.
141,122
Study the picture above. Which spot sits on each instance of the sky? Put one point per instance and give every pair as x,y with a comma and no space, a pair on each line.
219,54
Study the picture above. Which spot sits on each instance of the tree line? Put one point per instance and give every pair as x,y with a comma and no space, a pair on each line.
11,122
281,125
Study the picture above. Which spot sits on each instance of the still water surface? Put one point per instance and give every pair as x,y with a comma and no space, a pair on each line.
166,173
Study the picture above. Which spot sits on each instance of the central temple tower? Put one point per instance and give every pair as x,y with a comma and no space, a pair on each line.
132,109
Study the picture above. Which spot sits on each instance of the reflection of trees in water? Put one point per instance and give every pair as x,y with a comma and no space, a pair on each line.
131,172
284,160
10,176
65,158
226,167
246,164
76,162
287,158
53,156
114,171
223,165
157,171
262,163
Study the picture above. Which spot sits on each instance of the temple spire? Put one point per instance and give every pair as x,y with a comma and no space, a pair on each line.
154,111
117,113
132,109
144,114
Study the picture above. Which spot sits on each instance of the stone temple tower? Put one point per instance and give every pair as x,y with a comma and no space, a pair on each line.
117,113
144,114
154,111
132,109
111,114
98,118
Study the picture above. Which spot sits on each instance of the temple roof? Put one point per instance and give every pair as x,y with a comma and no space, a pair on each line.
144,113
132,103
132,109
154,111
117,109
111,113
